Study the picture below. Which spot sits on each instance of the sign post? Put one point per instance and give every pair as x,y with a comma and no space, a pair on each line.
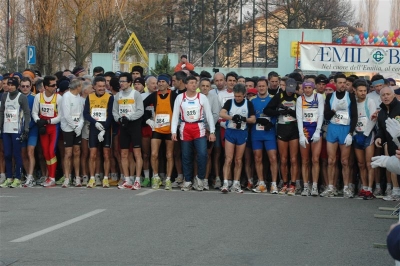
31,54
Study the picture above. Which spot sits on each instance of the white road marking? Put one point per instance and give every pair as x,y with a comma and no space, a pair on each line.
8,196
57,226
146,192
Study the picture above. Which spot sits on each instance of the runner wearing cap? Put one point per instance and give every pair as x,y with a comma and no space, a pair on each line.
283,105
310,115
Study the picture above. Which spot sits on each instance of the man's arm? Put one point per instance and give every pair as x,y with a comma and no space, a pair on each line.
23,102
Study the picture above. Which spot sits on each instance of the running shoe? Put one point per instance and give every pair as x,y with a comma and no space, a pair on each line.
205,185
368,195
187,186
392,197
78,182
236,188
2,179
16,183
306,192
336,192
106,183
283,190
85,180
113,182
280,184
230,183
121,181
136,185
91,183
60,181
297,189
125,185
388,191
314,191
260,188
378,192
178,182
155,183
30,182
362,193
6,183
49,182
97,180
347,193
250,185
274,189
198,184
217,184
146,182
66,183
327,193
291,191
225,188
168,184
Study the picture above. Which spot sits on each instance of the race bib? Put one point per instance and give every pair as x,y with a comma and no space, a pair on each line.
192,114
11,116
99,114
361,123
76,118
47,109
125,109
162,120
341,118
310,115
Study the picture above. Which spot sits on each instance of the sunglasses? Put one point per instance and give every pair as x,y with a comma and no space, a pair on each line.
52,85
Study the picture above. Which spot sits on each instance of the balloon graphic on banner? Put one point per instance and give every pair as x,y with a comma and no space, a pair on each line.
376,38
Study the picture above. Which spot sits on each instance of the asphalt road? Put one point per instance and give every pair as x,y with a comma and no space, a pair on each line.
79,226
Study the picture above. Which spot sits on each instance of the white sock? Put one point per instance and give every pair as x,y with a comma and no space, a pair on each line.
128,179
396,190
155,175
365,187
235,182
305,185
92,177
52,178
168,178
273,184
345,187
217,178
180,175
137,179
262,183
105,177
330,187
225,182
146,173
369,189
315,184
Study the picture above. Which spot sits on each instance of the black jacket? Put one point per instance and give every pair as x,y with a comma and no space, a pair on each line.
384,113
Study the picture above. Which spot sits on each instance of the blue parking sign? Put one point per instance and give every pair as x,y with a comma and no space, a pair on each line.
31,54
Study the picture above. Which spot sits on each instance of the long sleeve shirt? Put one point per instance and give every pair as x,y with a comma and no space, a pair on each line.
72,110
128,103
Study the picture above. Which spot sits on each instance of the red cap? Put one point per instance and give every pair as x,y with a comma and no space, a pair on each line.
331,85
252,91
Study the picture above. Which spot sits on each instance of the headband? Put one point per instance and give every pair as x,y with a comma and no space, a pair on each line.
377,82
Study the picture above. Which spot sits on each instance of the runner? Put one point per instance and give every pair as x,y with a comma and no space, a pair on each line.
46,113
191,107
263,136
128,111
98,112
310,116
364,138
162,102
71,126
341,110
237,112
15,117
283,105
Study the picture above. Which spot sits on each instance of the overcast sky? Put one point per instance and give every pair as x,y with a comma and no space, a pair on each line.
383,14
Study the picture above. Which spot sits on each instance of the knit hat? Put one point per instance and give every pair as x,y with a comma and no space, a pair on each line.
16,74
139,80
64,86
331,85
138,69
77,70
13,81
28,73
163,77
291,85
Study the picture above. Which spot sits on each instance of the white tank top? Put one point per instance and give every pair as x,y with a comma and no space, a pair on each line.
13,117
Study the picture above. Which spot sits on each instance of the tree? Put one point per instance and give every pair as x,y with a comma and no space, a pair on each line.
163,66
368,14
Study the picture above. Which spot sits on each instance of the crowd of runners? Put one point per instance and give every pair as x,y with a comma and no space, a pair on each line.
294,134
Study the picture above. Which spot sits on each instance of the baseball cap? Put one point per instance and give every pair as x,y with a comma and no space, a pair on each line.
291,85
252,91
